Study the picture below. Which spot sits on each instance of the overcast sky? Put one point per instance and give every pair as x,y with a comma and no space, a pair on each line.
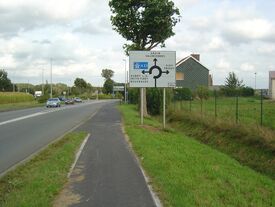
236,35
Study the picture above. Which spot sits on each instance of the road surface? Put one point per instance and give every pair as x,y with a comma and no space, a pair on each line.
24,132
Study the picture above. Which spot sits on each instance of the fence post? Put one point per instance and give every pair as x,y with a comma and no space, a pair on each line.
190,105
215,98
261,107
237,109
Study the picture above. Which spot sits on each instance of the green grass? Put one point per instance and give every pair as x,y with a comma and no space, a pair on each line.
37,182
15,97
21,105
187,173
249,109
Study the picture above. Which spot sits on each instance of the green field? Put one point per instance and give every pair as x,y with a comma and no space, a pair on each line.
185,172
15,97
249,109
38,182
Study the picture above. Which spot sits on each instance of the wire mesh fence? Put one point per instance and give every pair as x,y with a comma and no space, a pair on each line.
246,110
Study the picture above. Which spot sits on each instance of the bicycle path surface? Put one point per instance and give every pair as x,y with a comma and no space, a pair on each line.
106,173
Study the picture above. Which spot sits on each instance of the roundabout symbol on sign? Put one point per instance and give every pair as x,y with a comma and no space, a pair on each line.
155,67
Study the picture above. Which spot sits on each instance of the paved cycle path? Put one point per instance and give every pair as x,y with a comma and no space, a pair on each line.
107,173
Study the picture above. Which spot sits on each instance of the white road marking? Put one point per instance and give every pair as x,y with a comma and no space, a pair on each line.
45,112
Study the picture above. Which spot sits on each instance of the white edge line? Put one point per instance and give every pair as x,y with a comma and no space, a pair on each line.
147,179
78,154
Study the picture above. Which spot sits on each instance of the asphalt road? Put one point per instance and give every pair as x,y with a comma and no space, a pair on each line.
24,132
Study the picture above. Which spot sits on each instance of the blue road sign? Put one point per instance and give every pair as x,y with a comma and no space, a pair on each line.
141,65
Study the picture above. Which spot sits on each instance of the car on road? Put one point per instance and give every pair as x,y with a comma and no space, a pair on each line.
69,101
77,100
53,102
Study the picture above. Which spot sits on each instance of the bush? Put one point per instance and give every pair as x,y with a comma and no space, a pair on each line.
133,95
43,99
105,96
247,91
154,100
182,94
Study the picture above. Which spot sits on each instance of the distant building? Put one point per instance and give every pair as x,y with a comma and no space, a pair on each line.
190,73
272,84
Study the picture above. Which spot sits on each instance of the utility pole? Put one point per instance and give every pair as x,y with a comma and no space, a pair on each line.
51,79
42,81
125,83
255,80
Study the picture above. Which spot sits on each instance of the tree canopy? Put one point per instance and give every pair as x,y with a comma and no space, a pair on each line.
80,83
233,82
5,82
233,85
107,74
145,23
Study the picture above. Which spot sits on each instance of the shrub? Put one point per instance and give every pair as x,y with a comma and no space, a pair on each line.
43,99
182,94
133,95
247,91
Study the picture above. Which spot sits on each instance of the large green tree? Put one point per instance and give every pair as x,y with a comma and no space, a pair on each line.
5,82
145,24
107,74
108,86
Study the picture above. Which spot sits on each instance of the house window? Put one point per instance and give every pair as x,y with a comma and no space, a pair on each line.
179,76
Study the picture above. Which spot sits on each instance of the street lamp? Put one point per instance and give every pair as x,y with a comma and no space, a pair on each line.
255,80
51,79
125,82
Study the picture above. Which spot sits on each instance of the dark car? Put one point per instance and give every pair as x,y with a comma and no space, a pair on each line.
69,101
53,102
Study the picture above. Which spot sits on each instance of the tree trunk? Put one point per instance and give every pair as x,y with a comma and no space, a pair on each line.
145,112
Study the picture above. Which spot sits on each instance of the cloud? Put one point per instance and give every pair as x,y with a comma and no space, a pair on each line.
216,44
223,65
247,67
18,16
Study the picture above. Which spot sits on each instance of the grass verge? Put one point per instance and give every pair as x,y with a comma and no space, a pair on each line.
16,106
252,146
186,172
37,182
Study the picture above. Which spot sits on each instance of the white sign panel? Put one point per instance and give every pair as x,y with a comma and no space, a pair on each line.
118,88
152,69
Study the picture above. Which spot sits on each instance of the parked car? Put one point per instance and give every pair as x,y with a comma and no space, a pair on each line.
77,100
69,101
62,98
53,102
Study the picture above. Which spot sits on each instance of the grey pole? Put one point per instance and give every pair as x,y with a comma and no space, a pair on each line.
141,106
51,79
42,81
164,113
125,82
255,80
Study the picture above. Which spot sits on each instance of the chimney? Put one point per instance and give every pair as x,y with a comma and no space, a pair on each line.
196,56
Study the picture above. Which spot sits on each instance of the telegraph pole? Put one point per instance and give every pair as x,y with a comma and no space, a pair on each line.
51,79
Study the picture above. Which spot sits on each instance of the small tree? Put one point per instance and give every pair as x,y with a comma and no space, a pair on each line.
232,85
202,93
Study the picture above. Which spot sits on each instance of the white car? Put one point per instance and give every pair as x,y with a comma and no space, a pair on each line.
53,102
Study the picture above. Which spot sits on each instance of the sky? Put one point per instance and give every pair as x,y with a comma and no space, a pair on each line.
230,36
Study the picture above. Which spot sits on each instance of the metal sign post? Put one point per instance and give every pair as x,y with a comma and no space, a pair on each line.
164,103
141,106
